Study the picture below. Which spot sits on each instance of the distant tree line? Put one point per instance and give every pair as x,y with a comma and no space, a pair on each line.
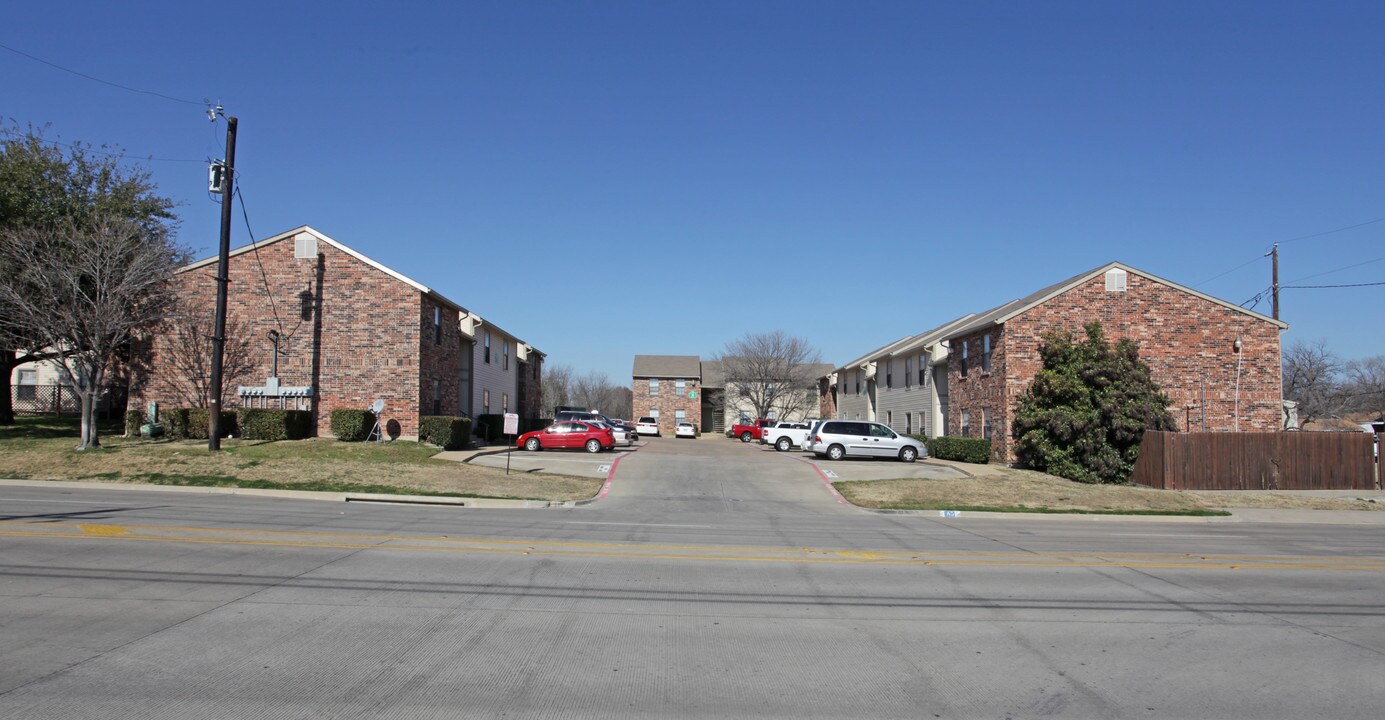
1326,386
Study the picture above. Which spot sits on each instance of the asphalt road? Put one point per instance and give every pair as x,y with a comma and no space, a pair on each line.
713,580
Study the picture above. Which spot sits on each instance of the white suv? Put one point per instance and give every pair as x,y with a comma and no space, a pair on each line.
837,439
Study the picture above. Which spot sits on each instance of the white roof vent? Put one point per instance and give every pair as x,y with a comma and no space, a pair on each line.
305,246
1115,280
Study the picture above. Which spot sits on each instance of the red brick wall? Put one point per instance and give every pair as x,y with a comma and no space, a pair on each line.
365,343
1183,338
667,402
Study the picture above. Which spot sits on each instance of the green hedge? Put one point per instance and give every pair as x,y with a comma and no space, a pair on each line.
266,424
352,425
196,423
447,432
964,449
133,420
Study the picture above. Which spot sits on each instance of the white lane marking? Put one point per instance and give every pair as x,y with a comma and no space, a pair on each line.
578,522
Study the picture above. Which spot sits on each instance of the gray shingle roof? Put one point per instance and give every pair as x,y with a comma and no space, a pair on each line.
668,366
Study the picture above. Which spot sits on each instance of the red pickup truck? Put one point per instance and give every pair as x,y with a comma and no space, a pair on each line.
751,432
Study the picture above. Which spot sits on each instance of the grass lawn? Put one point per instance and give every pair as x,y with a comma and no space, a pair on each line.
1002,489
42,448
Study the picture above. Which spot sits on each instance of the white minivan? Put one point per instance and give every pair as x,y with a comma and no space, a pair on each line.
837,439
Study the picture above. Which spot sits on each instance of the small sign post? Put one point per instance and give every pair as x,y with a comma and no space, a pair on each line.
511,429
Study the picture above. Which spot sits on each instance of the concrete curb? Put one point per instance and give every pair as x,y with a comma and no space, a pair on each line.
373,498
985,515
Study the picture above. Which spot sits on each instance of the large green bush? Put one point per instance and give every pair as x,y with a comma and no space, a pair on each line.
963,449
1085,413
175,422
445,431
199,424
352,425
267,424
134,419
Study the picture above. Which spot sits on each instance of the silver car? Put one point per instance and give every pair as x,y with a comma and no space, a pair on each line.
837,439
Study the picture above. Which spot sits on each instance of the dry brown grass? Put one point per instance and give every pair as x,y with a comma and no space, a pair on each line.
1004,488
318,464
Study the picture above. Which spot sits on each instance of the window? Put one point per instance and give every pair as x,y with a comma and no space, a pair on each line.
986,424
437,397
964,361
889,373
908,423
505,355
504,402
27,390
488,347
678,416
907,375
486,401
986,353
653,387
889,418
858,382
923,370
680,385
437,326
966,424
654,414
771,415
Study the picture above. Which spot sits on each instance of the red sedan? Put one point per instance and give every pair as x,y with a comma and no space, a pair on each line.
570,434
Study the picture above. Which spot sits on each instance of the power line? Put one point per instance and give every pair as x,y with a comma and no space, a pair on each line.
103,82
1329,272
88,148
1329,232
1283,242
264,277
1228,272
1315,287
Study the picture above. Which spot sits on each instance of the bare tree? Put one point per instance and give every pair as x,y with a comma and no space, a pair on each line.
1312,378
1364,385
188,347
556,384
84,287
771,371
41,186
595,390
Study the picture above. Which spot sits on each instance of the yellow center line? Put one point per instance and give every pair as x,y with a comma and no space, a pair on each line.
347,541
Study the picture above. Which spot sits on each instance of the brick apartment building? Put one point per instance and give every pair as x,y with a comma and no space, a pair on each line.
669,389
1218,363
350,331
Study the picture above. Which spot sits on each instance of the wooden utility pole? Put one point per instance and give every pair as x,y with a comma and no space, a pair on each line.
1274,281
228,188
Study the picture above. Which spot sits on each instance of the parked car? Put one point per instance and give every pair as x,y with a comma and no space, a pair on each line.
565,415
750,431
647,426
620,434
786,435
837,439
685,429
808,439
591,437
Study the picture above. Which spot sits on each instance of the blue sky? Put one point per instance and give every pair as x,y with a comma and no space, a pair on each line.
611,178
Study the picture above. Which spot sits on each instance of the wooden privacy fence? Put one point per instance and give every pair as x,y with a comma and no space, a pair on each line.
1256,461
